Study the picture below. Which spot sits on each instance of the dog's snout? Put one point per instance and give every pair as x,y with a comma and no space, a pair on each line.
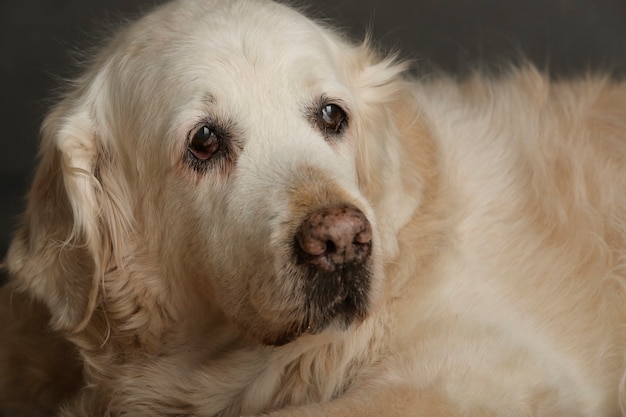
332,237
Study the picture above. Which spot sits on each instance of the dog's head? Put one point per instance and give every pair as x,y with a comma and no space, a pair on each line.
250,152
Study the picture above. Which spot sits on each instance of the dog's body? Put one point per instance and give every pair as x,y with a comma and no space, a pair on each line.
244,214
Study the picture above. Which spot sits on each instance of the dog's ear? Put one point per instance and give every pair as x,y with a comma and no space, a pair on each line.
396,154
76,209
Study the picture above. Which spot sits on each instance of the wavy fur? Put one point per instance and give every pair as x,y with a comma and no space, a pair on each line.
150,283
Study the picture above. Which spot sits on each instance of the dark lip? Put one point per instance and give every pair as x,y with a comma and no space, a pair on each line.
335,299
343,312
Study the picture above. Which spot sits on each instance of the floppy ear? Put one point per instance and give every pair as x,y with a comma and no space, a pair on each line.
396,154
75,211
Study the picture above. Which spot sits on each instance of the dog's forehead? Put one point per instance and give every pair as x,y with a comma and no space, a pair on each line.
262,42
243,54
260,33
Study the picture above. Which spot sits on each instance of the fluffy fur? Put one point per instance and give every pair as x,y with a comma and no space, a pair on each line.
495,284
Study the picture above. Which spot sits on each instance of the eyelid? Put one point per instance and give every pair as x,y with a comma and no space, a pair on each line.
314,110
325,100
200,124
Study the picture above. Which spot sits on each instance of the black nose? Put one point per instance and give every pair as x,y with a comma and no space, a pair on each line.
332,237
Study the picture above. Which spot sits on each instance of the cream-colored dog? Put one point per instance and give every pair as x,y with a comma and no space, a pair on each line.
237,212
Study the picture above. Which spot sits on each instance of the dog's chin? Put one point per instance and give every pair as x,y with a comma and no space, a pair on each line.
335,300
289,334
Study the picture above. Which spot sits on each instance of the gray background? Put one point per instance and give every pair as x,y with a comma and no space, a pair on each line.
37,38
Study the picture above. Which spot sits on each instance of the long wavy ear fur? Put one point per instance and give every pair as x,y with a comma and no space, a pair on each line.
396,155
75,212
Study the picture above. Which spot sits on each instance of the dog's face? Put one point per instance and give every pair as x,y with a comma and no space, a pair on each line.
244,146
263,160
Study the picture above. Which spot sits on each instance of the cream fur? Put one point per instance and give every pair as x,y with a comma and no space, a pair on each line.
498,208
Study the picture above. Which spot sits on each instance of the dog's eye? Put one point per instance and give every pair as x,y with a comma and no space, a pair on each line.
204,143
332,119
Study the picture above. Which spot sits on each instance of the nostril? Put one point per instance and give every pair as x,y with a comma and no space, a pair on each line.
310,245
365,236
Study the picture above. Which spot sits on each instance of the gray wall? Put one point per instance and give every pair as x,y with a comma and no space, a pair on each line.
37,37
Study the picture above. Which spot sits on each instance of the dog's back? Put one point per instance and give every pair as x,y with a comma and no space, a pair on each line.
537,171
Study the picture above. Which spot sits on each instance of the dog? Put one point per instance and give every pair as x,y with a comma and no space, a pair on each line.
239,212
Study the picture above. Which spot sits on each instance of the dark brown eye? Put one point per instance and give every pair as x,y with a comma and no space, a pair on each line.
332,119
204,143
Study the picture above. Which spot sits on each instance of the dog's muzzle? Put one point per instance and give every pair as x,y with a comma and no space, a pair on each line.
333,246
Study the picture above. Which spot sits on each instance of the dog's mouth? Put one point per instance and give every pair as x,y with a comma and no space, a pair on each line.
324,306
340,297
331,256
